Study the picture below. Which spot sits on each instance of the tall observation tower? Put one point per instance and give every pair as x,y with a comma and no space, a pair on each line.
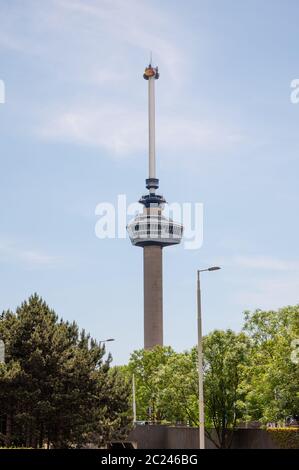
152,231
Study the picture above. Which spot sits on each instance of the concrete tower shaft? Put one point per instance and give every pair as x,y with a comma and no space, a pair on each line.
152,231
153,296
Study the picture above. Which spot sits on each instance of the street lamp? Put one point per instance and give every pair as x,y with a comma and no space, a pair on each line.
200,359
106,341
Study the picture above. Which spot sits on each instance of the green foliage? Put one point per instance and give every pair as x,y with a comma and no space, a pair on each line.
146,366
285,438
55,386
271,379
177,382
167,382
225,354
247,377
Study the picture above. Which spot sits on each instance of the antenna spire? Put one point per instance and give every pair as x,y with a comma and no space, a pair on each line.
151,74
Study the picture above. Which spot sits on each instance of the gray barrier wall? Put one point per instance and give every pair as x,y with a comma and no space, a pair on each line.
166,437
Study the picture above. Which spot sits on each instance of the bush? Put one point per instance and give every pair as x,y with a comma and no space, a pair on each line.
285,438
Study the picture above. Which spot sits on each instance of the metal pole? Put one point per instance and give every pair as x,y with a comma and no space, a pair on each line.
200,369
151,119
134,399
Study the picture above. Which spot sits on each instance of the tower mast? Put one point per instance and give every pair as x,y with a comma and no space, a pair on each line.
151,127
151,75
152,231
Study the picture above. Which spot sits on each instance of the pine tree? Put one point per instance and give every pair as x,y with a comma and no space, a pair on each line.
56,388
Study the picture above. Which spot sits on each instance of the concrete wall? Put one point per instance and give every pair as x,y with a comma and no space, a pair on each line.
166,437
253,439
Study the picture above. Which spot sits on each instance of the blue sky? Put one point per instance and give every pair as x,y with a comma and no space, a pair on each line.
74,134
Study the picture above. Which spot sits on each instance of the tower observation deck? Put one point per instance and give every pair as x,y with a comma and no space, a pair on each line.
152,231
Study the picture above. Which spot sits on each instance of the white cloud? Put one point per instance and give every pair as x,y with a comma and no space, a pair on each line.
123,132
114,130
95,34
264,262
259,281
133,22
37,258
104,75
30,258
10,42
268,294
98,43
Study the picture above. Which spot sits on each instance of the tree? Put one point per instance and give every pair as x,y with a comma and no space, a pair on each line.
225,354
146,365
56,387
167,382
178,388
271,379
252,375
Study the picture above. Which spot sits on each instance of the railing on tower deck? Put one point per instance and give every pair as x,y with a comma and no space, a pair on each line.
155,228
